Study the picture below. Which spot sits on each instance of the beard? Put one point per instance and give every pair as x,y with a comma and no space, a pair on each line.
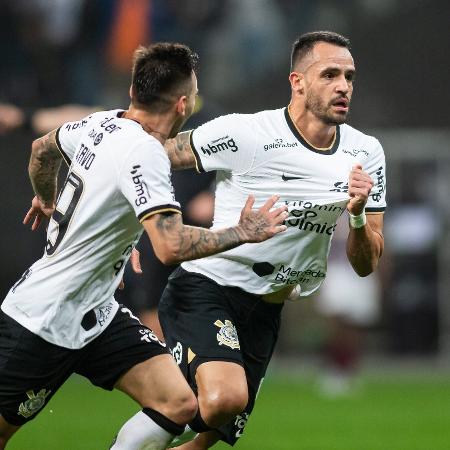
324,111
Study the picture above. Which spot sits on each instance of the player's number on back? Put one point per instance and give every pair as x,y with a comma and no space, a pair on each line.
65,207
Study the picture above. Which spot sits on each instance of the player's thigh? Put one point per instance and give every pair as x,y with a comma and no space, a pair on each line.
156,383
31,371
124,344
197,322
258,329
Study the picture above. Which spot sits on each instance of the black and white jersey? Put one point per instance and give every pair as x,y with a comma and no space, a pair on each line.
119,175
264,154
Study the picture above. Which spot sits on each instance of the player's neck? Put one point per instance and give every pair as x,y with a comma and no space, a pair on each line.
157,125
314,131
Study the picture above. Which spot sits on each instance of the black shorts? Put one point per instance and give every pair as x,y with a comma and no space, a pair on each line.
203,321
32,369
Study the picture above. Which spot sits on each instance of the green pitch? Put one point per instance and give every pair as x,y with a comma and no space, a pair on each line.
389,413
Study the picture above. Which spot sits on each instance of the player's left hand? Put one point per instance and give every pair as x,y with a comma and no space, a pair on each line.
359,186
135,260
38,212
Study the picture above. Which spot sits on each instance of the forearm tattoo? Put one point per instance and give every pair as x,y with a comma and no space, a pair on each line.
179,151
44,165
193,242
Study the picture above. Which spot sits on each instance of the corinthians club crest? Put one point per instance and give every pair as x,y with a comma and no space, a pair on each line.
34,403
227,334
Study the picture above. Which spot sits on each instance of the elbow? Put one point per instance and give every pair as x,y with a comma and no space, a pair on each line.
169,260
35,152
41,155
37,148
168,255
363,272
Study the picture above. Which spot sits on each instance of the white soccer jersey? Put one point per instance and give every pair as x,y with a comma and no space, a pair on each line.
119,175
264,154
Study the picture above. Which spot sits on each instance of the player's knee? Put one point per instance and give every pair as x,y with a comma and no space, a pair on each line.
182,409
222,404
188,408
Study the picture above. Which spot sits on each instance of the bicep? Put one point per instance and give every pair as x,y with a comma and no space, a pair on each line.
162,229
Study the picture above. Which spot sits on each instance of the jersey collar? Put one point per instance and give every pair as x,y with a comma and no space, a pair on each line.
305,143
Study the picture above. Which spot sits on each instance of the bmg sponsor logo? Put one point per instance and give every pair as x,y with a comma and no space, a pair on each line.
220,145
139,186
380,185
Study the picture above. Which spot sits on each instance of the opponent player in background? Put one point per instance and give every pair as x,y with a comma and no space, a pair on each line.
221,314
61,317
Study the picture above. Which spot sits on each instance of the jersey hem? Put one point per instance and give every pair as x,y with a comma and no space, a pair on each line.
241,285
21,319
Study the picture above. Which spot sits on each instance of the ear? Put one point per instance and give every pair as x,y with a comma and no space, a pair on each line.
297,80
180,105
131,91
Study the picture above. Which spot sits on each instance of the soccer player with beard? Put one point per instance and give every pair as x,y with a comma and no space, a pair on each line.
221,314
61,317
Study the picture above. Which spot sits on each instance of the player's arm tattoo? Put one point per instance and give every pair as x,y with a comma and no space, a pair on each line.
179,151
43,167
174,242
187,242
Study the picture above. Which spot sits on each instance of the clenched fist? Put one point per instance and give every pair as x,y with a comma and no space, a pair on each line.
359,186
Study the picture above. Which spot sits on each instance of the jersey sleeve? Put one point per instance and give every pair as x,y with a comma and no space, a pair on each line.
145,181
68,137
226,143
376,167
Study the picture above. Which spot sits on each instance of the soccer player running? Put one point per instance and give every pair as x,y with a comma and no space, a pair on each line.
221,314
61,317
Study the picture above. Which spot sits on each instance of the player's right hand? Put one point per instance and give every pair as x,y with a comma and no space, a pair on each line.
38,212
263,223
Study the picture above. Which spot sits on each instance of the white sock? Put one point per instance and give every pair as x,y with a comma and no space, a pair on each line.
141,433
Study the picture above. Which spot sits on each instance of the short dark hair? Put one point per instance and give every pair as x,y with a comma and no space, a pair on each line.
305,43
161,71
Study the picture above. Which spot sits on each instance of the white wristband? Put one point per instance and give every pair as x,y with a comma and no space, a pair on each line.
358,221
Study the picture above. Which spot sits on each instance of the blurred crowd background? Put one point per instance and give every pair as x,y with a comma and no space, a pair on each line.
61,59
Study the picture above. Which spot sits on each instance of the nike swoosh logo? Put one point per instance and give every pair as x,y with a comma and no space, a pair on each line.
286,178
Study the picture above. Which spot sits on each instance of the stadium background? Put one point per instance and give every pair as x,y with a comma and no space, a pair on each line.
59,52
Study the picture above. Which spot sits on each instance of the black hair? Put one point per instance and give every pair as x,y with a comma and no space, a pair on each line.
160,72
305,43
